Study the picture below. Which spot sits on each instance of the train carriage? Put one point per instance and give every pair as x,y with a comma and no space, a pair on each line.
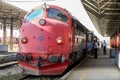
114,40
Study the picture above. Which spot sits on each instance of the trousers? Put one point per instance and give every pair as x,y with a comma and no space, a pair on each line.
95,52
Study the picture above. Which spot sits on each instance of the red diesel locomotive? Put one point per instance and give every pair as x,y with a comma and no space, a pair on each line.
50,40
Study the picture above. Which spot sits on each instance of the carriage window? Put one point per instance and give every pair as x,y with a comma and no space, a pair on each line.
35,14
56,14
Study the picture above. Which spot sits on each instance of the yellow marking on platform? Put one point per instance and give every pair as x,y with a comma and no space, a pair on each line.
85,72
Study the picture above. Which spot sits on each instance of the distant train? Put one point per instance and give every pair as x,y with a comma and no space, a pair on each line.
115,40
50,41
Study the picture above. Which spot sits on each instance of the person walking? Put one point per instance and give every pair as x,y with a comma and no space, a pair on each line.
95,48
104,47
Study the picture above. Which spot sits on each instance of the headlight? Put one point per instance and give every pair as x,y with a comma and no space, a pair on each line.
24,40
59,40
42,22
45,6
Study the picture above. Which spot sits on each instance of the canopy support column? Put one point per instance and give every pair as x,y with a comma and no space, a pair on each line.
11,35
4,32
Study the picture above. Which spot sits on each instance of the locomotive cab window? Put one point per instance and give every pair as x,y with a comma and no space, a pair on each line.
56,14
35,14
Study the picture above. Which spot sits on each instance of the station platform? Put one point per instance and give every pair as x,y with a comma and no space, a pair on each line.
102,68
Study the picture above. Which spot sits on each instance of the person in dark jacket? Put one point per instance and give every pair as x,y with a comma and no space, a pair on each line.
95,48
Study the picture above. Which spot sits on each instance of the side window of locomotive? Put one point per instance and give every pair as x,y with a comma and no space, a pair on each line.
73,24
77,32
56,14
35,14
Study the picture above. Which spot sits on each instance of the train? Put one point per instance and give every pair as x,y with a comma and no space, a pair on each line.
50,41
115,40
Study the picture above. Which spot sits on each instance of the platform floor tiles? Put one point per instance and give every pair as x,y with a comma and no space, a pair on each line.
102,68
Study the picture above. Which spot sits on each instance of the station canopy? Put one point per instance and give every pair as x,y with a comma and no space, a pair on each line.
108,14
9,12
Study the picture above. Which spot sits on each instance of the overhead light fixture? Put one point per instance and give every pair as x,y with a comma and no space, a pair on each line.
105,35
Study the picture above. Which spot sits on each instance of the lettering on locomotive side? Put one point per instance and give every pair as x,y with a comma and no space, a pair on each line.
40,48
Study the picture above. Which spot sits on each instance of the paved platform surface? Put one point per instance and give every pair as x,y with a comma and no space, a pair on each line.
102,68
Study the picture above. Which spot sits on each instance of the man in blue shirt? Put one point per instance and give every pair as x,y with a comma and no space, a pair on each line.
104,47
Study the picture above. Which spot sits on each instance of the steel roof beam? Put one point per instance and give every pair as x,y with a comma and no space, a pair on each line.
110,9
91,8
102,11
111,13
112,3
91,4
104,4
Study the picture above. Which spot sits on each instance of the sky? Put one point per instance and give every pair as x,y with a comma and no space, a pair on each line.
75,7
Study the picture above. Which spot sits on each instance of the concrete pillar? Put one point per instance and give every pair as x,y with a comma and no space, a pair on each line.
11,35
4,32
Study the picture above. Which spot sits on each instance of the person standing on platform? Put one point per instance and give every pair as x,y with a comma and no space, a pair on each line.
104,47
82,46
95,48
90,47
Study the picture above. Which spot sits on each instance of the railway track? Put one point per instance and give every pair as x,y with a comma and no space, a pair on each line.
31,77
22,77
6,64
